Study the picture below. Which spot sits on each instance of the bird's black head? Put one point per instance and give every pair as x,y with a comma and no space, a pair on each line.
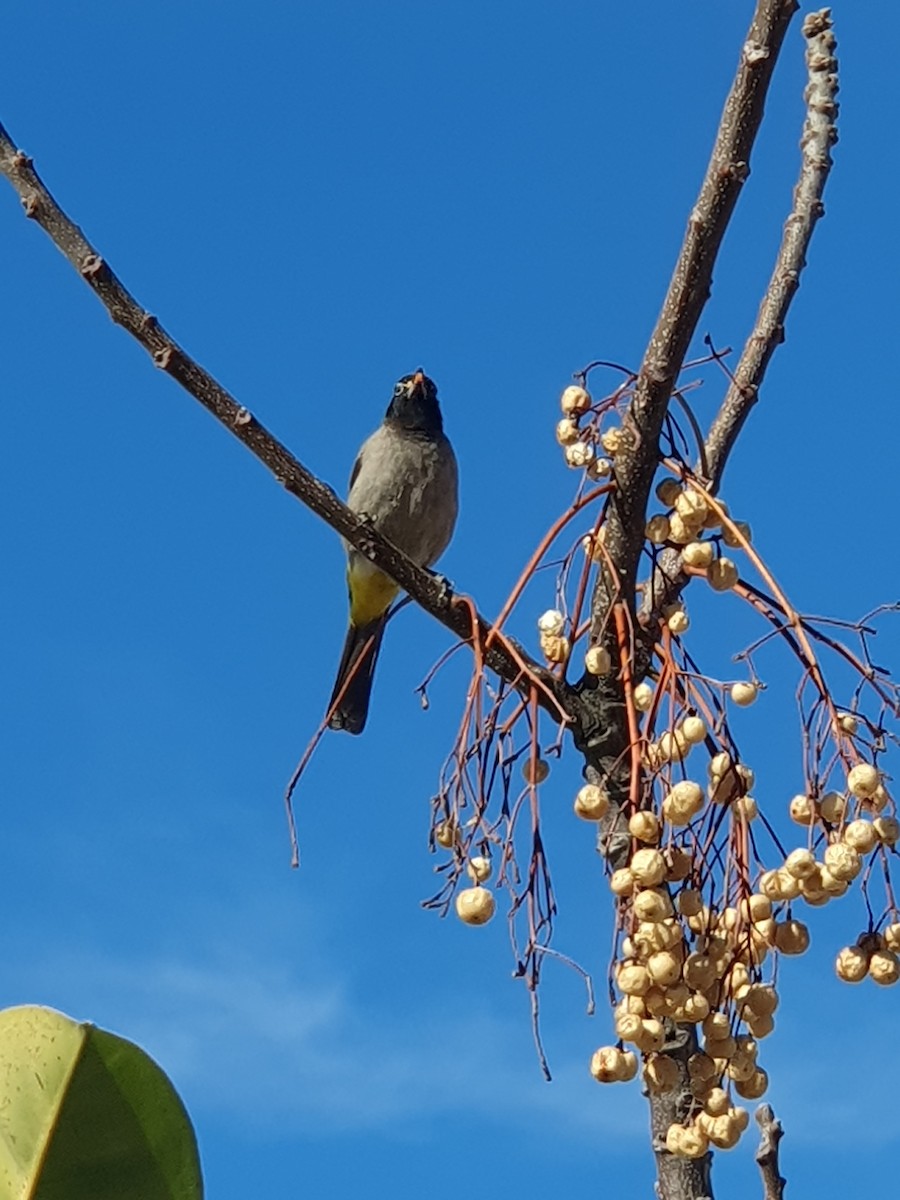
414,405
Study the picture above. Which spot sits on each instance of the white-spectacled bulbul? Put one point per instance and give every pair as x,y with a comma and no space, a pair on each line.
405,481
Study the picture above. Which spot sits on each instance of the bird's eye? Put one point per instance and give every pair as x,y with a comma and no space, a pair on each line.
400,389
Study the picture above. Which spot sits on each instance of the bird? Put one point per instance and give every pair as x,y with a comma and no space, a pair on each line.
404,481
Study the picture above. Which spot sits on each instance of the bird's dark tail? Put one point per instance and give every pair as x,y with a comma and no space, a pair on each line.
356,671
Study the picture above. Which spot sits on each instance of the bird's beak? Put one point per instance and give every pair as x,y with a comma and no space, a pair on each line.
418,381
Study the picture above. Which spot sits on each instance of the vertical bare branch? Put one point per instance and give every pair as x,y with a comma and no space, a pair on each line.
771,1134
819,135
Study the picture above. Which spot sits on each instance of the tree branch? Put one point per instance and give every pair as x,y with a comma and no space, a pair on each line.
819,135
428,590
689,290
767,1153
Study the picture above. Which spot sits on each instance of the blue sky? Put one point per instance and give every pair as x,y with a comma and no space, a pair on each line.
314,199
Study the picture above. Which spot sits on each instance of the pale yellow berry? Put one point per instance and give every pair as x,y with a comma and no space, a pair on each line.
629,1026
694,1142
642,697
591,802
682,802
754,1086
746,807
743,693
736,781
716,1028
792,937
597,661
877,801
788,885
664,968
741,1066
884,967
761,1000
657,530
644,826
741,1118
648,867
621,882
759,1026
609,1064
802,810
668,491
716,1102
722,574
579,455
446,834
842,861
653,1036
536,771
847,723
852,964
737,534
479,868
863,780
575,400
694,730
475,905
834,887
891,937
567,431
861,835
678,622
701,1066
556,649
660,1074
699,972
682,529
719,764
800,863
551,623
723,1132
598,468
672,746
698,554
691,505
678,864
633,979
690,902
755,907
651,904
888,830
832,808
695,1008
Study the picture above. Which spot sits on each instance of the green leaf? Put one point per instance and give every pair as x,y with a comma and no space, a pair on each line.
86,1115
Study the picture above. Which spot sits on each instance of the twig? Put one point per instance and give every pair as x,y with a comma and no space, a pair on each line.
429,591
767,1154
819,135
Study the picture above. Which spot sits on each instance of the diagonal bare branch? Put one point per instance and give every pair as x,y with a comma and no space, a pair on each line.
428,590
